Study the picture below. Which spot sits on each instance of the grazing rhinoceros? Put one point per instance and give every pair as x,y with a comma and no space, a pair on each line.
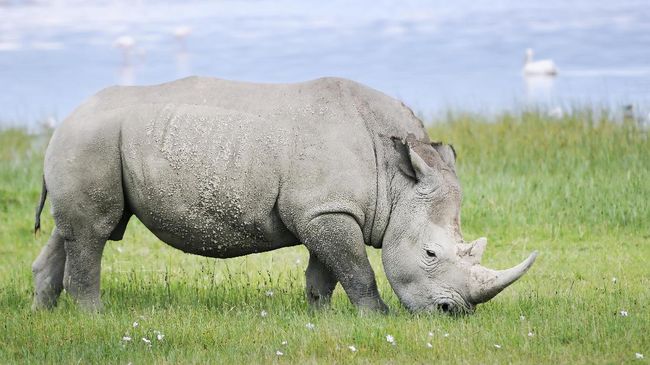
224,169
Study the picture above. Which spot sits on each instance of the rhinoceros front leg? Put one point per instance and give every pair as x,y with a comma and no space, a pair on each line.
337,241
320,282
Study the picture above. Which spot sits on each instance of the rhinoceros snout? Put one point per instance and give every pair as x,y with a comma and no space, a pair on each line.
449,305
451,308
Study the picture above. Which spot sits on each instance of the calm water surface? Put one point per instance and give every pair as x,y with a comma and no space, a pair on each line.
434,55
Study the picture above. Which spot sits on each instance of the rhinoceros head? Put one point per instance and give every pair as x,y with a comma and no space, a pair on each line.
427,262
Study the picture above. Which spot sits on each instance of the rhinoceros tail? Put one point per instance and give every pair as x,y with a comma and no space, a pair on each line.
39,208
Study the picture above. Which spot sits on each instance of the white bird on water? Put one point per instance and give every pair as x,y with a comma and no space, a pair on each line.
182,56
126,44
541,67
182,31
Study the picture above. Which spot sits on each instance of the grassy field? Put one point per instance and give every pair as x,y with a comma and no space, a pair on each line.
575,189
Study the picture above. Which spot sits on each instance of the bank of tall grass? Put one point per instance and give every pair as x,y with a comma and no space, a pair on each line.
576,189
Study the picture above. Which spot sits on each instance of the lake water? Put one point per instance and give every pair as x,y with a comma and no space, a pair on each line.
434,55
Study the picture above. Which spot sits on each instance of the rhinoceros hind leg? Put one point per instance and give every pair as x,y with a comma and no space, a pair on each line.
48,273
337,241
82,270
320,283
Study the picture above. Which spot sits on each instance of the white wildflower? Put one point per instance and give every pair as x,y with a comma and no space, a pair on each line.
135,324
429,345
269,293
354,349
623,313
430,334
390,339
279,353
147,341
264,313
638,355
446,335
126,338
310,326
530,334
497,346
120,249
160,336
522,318
285,342
614,280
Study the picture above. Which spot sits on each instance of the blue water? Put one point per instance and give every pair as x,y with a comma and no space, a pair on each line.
434,55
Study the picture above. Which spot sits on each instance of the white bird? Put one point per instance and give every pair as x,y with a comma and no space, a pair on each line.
541,67
182,31
182,55
124,42
556,113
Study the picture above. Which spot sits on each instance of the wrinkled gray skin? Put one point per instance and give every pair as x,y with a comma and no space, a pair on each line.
223,169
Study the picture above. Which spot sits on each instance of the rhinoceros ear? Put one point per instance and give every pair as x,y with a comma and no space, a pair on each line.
419,165
447,153
417,168
402,148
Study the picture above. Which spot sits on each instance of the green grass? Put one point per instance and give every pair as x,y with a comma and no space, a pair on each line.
575,189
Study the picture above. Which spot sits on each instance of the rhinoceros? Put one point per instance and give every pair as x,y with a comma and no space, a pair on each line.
223,169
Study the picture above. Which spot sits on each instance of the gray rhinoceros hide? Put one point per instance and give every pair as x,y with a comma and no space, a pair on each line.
223,169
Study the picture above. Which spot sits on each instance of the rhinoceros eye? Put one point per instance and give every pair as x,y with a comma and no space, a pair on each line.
431,253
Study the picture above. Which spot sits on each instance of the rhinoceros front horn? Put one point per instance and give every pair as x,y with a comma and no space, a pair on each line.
486,283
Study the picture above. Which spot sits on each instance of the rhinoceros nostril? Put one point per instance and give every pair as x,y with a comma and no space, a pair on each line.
444,307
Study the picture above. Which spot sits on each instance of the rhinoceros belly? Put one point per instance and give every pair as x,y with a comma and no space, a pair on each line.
215,226
204,181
